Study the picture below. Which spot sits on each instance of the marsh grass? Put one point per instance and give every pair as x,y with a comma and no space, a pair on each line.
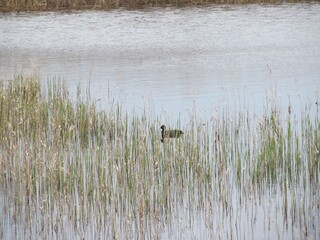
49,5
69,168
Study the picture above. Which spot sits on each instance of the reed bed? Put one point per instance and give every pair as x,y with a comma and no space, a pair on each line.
50,5
69,169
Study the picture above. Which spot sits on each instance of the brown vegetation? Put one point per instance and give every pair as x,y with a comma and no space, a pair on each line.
46,5
69,170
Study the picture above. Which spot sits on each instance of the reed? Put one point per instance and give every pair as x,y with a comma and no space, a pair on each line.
70,169
51,5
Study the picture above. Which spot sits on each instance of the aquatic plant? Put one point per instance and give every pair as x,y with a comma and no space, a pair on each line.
69,168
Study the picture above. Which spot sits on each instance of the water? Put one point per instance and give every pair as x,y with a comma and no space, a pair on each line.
170,60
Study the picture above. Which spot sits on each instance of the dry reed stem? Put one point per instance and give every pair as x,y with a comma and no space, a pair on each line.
62,157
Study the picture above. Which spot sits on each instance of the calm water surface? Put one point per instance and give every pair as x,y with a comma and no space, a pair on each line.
172,59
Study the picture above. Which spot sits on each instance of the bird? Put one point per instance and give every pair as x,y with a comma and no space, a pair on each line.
170,133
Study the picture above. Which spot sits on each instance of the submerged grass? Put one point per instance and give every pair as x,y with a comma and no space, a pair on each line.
49,5
63,161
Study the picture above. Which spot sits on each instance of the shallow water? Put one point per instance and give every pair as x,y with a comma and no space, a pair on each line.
171,59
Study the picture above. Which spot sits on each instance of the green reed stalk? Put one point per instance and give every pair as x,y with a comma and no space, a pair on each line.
63,158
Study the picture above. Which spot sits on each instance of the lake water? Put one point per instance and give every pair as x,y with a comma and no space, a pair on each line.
173,60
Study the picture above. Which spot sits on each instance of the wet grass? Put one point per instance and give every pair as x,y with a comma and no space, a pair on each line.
51,5
70,169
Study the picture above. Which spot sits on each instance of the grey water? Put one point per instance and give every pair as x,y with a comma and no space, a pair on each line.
172,59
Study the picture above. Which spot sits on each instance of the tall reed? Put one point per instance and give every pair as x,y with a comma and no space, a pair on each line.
71,169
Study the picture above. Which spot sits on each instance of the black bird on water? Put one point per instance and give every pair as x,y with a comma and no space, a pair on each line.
170,133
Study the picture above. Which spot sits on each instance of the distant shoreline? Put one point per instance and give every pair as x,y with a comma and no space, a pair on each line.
60,5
